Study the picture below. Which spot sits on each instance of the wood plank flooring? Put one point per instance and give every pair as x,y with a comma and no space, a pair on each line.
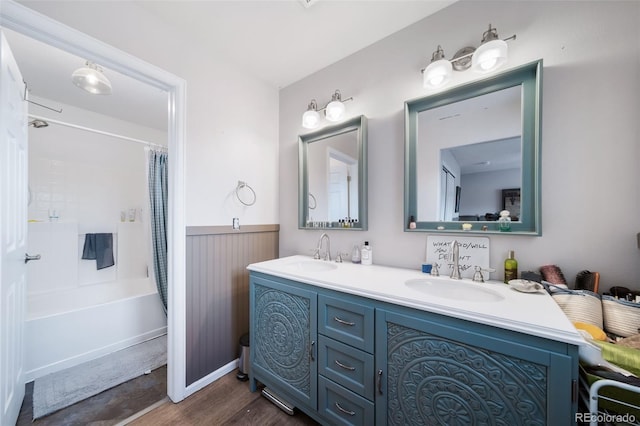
227,401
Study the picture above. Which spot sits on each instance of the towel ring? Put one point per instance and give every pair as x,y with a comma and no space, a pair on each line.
315,203
253,193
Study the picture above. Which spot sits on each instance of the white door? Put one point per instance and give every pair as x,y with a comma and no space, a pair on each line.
13,233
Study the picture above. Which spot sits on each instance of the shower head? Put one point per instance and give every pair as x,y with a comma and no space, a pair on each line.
38,123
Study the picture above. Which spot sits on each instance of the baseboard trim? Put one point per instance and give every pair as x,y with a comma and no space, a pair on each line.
36,373
210,378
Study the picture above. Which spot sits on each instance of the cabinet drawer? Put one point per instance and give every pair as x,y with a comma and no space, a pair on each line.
350,367
347,322
341,406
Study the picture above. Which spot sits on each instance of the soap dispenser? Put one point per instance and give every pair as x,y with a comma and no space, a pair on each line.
367,254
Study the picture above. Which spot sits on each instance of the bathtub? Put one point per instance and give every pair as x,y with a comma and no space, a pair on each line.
68,327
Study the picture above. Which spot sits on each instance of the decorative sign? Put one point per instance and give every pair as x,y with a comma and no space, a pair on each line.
474,251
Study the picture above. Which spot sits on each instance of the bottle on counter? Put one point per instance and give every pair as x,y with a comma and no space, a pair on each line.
367,254
510,267
355,254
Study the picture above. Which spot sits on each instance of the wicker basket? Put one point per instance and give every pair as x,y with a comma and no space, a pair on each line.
621,317
581,306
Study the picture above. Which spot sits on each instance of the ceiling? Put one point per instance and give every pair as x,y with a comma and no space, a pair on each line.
278,41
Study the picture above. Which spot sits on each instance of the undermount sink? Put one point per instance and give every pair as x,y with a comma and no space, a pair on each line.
312,265
454,289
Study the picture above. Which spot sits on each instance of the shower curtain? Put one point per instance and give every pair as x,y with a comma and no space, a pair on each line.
157,180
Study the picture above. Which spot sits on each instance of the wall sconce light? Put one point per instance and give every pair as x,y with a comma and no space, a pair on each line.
333,111
311,118
489,56
92,79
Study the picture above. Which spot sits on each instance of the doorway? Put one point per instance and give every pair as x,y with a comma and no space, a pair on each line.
24,21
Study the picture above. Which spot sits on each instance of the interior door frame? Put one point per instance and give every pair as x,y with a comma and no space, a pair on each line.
42,28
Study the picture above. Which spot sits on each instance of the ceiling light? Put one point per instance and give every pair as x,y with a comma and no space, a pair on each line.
92,79
333,111
311,118
490,55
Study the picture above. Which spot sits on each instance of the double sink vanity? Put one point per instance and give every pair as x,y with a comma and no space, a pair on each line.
363,345
354,344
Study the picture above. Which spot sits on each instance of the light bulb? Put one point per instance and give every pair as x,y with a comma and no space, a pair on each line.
310,119
437,73
489,56
334,111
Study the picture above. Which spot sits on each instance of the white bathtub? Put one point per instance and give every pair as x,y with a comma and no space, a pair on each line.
69,327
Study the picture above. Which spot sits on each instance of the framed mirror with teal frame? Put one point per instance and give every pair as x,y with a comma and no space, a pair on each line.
332,177
473,151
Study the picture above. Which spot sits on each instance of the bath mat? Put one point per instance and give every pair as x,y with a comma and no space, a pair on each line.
64,388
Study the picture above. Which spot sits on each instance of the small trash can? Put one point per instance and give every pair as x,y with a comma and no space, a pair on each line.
243,363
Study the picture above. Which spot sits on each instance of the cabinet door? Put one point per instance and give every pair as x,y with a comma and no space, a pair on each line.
283,339
433,374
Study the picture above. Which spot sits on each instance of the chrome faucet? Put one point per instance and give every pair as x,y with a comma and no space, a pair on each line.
455,257
327,254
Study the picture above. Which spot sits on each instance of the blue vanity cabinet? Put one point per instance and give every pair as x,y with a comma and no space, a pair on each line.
351,360
435,370
283,346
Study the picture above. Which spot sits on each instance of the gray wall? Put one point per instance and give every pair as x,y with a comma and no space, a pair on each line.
218,291
590,147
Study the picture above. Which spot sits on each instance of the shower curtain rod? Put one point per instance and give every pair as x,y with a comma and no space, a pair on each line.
101,132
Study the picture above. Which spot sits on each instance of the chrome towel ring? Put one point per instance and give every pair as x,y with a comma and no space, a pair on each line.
242,185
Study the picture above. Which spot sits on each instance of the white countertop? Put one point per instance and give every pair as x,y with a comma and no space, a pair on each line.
531,313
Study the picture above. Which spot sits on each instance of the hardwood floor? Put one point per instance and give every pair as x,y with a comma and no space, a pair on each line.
227,401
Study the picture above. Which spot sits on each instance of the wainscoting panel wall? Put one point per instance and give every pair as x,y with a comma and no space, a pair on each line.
218,291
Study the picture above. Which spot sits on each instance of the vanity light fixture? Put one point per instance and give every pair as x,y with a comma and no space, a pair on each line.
333,111
311,117
92,79
489,56
492,52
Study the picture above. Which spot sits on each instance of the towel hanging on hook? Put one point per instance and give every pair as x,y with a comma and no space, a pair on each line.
242,185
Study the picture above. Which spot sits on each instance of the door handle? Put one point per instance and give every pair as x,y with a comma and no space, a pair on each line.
28,257
311,346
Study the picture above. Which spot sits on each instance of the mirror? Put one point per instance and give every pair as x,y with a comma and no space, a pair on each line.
473,151
332,174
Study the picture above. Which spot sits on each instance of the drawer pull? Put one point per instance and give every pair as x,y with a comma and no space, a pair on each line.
346,367
351,413
343,322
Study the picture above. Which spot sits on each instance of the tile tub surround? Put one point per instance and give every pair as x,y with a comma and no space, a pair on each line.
529,313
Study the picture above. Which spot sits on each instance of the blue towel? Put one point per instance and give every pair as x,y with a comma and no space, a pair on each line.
100,248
